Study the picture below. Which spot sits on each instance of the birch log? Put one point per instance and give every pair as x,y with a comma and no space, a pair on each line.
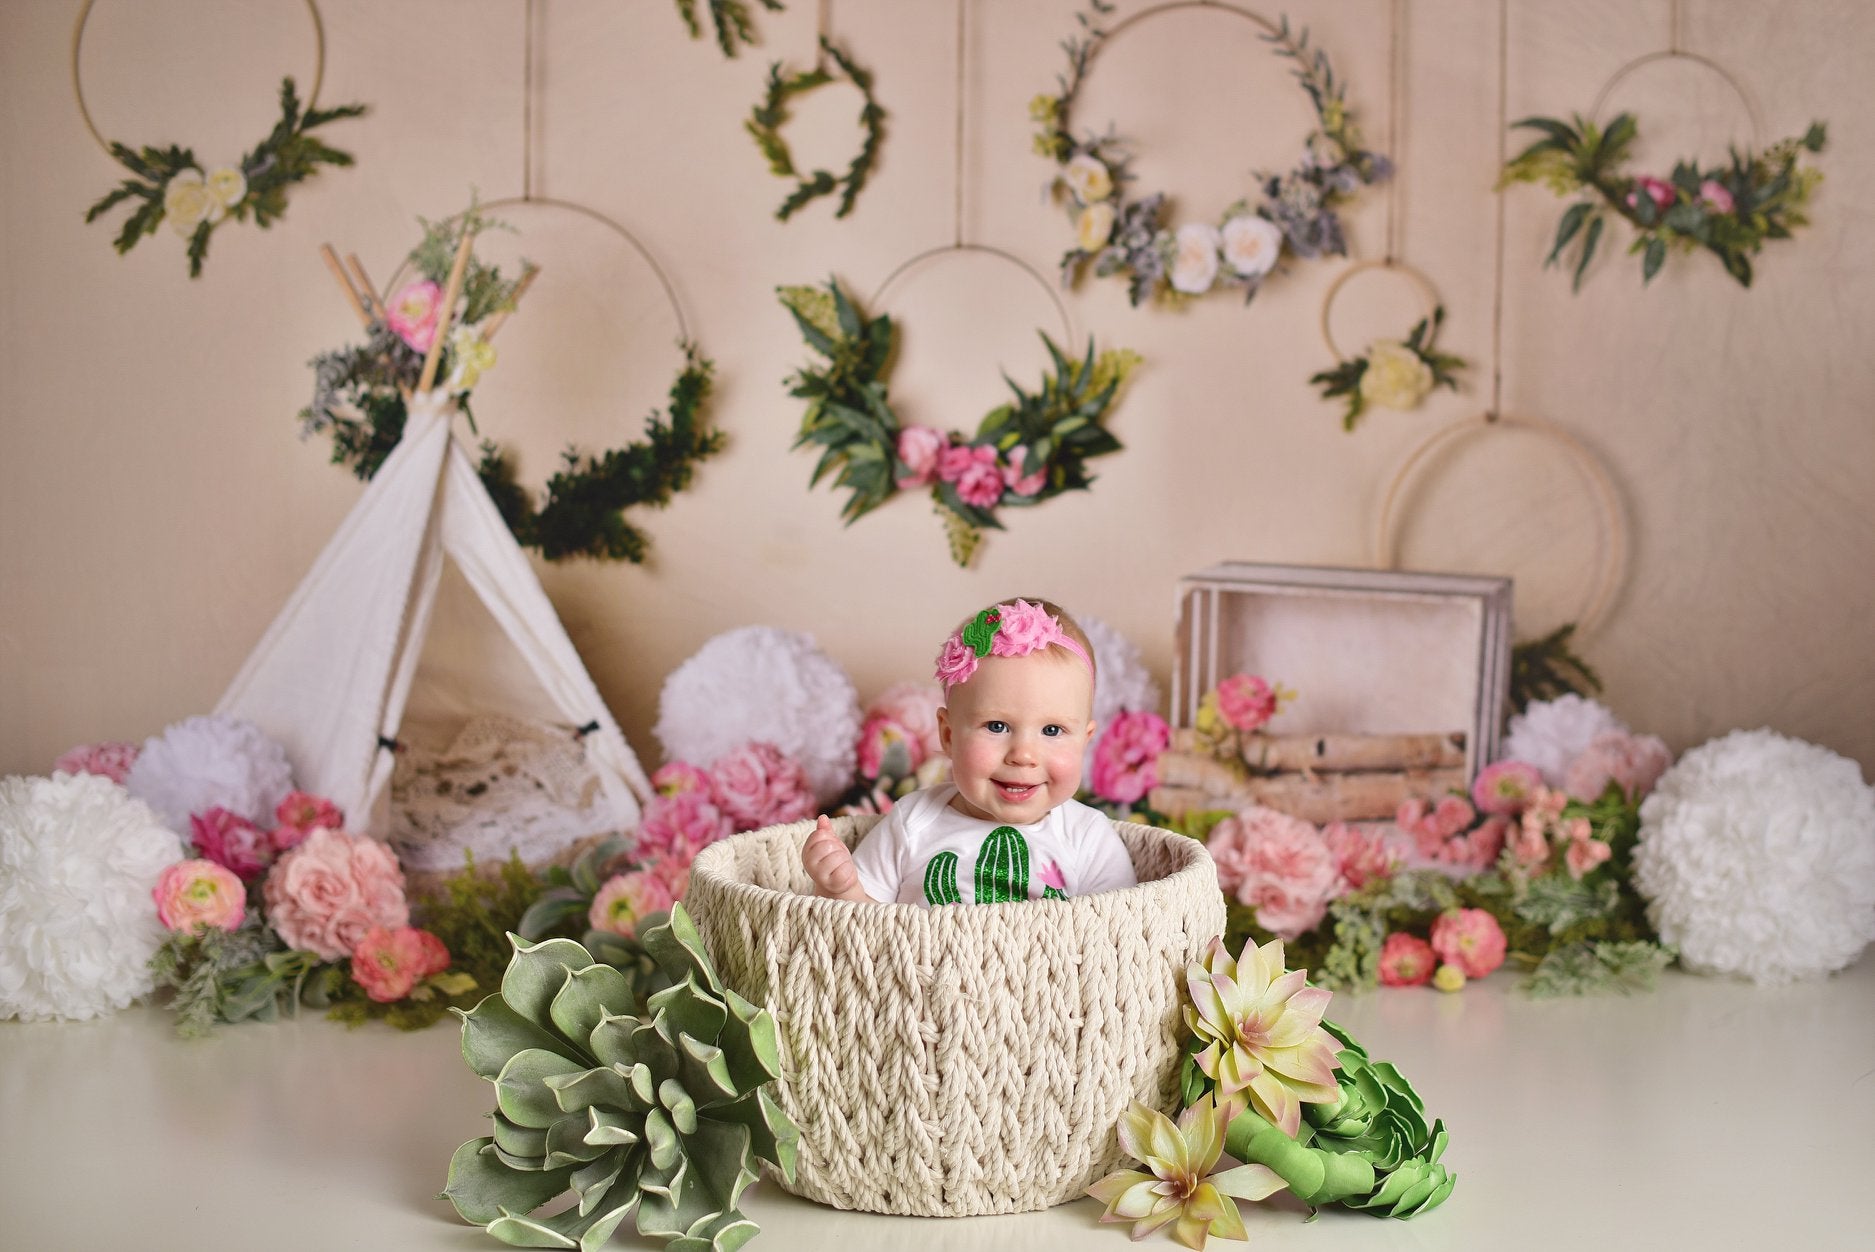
1189,783
1341,753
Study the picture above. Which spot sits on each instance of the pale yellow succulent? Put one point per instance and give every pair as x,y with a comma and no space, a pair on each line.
1181,1191
1262,1032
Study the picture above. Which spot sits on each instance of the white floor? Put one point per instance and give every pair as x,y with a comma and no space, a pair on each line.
1710,1115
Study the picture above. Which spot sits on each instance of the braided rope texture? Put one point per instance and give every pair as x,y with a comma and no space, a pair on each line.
955,1061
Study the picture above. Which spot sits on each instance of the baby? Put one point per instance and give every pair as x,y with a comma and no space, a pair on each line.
1019,697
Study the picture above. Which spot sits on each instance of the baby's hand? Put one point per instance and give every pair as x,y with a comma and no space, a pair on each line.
830,865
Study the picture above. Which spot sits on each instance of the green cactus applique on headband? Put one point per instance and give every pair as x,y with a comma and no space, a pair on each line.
980,634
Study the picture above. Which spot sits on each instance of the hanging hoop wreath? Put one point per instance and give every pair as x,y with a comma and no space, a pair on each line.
194,198
361,396
771,115
1390,373
729,18
1023,453
1117,233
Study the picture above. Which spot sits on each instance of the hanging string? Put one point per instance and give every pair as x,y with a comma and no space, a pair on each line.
957,167
1497,277
1396,104
527,105
823,31
1674,36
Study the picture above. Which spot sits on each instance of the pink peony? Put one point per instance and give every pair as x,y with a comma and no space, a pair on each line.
302,811
1505,787
1362,856
1471,939
193,896
676,777
1583,855
1714,195
1660,191
412,313
1246,702
681,825
1634,762
231,840
1126,758
878,737
111,760
919,447
1277,864
972,469
1013,477
759,785
1405,961
956,661
914,706
388,962
626,899
325,894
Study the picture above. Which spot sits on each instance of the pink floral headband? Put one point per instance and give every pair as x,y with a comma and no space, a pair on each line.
1013,629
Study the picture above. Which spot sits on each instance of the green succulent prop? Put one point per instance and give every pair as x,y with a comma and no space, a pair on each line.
664,1106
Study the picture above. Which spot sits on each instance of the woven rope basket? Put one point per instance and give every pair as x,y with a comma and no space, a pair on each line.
972,1059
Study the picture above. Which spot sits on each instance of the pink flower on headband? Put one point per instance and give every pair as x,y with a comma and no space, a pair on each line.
1024,628
956,662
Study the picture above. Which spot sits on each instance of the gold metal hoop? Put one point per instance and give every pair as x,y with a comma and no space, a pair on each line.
1417,277
1172,6
930,254
78,87
1608,501
1674,54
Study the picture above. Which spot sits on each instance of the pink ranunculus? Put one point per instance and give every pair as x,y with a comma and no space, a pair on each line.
1716,197
303,810
914,706
193,896
1246,701
231,840
919,447
681,825
759,785
979,480
1635,762
1406,961
326,893
1583,855
1482,846
1281,867
111,759
877,737
676,777
1471,939
1452,815
1505,786
626,899
1126,757
389,961
1659,190
1361,855
413,312
1015,480
956,661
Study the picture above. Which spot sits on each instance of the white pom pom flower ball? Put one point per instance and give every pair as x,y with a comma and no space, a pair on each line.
1122,683
202,763
1551,734
1757,857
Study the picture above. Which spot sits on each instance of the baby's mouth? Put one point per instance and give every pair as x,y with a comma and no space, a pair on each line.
1015,792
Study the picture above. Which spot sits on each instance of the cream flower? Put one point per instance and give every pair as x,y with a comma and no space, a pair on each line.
227,186
1395,377
1252,244
472,356
1181,1187
1088,178
1195,258
1094,227
187,202
1262,1032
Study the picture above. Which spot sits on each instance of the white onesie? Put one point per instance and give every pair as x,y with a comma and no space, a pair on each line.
926,852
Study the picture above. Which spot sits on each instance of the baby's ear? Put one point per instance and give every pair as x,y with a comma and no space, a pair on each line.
944,728
1092,726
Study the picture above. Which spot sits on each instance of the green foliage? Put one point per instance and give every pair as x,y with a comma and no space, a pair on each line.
1543,669
768,117
1586,967
1345,378
219,976
729,18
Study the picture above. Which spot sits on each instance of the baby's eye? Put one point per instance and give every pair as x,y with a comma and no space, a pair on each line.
995,727
1054,731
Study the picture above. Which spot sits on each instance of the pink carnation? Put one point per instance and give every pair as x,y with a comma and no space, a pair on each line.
626,899
956,661
1470,939
1013,477
299,813
914,706
1505,787
1277,864
878,737
1635,762
1126,759
412,313
192,896
676,777
325,894
231,840
919,447
759,785
388,962
1405,961
681,825
1362,856
973,470
111,760
1246,702
1659,190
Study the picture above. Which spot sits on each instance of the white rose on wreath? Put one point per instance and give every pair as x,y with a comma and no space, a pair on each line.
227,186
1087,178
1396,377
1094,226
1195,258
187,202
1252,244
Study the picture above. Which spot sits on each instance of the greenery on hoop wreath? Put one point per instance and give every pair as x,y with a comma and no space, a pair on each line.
1390,374
1118,234
768,117
1022,454
176,188
730,18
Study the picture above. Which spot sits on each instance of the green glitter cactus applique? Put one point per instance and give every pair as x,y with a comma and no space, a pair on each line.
940,880
980,634
1002,866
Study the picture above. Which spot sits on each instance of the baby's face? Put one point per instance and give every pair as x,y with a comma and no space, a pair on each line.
1015,734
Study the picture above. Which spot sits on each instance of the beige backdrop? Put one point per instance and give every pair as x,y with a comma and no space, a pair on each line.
157,506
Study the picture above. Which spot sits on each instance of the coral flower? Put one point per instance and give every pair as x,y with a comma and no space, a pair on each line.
1261,1030
1181,1188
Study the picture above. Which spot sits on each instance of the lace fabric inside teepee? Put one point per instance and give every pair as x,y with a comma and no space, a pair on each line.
503,785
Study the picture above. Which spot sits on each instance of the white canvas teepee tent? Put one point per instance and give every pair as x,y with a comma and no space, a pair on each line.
422,611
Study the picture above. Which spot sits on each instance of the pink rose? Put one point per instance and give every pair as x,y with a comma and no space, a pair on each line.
1126,758
1635,762
919,447
1245,701
758,785
1505,787
956,661
1660,191
300,812
412,313
914,706
111,760
681,825
1362,856
1584,855
192,896
676,777
980,482
1280,866
1715,196
877,737
1013,477
325,894
231,840
1405,961
626,899
1471,939
388,962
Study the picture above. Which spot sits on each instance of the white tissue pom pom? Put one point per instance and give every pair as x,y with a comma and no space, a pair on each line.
1757,857
202,763
78,861
1122,682
765,684
1551,734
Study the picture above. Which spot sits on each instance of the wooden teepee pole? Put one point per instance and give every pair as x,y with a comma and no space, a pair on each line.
451,290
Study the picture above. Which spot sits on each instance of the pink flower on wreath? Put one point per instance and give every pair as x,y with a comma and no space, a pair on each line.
1471,939
1714,195
1505,786
759,785
111,759
914,706
1013,477
1246,702
877,737
231,840
1361,855
973,469
325,894
626,899
1126,759
1635,762
681,825
193,896
674,778
1277,864
412,313
919,447
1406,961
1659,190
388,962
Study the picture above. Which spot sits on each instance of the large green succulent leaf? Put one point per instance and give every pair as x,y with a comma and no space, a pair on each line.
704,1071
481,1187
678,1106
584,999
688,1008
749,1043
654,1052
612,1128
492,1032
535,974
572,1228
678,949
1316,1176
773,1135
521,1088
611,1039
699,1201
661,1139
516,1140
566,1144
591,1182
725,1234
606,1086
